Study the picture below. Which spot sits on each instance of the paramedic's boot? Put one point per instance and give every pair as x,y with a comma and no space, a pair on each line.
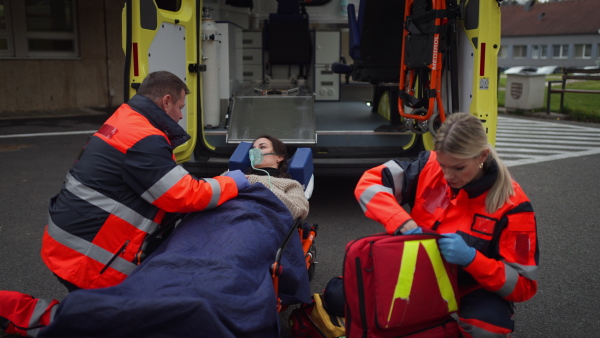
4,323
7,329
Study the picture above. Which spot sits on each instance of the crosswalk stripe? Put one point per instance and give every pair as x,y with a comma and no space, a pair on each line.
520,142
506,145
541,140
552,137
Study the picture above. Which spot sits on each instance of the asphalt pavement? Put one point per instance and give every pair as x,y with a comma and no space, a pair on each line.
565,195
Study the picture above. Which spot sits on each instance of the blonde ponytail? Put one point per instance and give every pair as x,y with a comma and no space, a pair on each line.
502,189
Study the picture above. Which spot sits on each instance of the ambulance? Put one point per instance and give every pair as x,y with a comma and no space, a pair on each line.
357,81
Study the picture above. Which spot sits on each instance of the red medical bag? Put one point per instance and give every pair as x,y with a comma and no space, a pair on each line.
399,286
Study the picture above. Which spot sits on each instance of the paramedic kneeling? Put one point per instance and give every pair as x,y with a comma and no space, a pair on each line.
123,186
464,191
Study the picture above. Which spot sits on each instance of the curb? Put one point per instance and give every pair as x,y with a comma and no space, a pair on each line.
51,114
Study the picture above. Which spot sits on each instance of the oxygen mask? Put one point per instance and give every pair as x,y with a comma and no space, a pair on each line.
256,158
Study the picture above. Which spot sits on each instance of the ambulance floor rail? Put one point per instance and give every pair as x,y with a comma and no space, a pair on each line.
572,74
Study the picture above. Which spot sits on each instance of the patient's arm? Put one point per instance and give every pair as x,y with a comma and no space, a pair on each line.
289,191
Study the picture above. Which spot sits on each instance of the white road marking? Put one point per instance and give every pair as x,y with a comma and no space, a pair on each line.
82,132
520,142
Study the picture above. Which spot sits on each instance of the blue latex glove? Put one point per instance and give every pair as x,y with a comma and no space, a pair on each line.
416,230
455,250
240,179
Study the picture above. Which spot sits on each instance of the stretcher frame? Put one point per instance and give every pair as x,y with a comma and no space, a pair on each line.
421,88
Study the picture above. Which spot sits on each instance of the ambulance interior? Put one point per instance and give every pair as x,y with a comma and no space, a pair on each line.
322,74
281,80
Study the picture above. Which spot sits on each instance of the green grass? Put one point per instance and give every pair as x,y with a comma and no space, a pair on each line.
577,107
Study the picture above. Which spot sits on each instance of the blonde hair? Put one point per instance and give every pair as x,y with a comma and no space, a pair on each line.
462,136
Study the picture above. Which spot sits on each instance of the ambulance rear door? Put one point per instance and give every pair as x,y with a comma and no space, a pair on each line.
163,37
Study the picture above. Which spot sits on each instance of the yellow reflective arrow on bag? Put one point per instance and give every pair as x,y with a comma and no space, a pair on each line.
407,273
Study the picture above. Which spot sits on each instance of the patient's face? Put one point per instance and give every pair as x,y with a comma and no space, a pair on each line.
266,146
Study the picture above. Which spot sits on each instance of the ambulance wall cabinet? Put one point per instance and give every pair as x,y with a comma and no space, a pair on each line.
327,51
252,56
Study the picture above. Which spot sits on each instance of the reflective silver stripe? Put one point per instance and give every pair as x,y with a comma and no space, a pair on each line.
216,193
164,184
512,277
398,176
512,271
475,331
109,205
369,193
527,271
88,249
52,313
38,311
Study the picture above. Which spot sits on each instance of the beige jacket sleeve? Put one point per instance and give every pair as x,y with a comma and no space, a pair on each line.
289,191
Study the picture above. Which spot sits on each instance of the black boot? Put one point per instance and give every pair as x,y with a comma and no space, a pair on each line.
3,325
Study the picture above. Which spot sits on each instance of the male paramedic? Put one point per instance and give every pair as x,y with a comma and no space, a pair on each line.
123,187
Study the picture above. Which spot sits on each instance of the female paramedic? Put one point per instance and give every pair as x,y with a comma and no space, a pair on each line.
464,191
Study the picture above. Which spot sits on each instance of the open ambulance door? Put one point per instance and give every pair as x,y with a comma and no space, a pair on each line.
479,43
473,75
478,46
164,38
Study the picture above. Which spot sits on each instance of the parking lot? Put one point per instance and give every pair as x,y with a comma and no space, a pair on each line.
565,192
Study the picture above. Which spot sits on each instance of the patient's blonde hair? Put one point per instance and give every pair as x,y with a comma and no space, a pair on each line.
463,136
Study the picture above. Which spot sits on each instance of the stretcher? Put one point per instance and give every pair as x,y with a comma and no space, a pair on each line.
307,236
270,108
300,169
448,59
429,52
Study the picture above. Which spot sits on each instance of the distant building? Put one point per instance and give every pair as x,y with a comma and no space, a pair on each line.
565,33
68,54
57,55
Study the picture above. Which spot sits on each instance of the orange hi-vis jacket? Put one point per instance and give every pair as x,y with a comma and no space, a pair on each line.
507,255
118,192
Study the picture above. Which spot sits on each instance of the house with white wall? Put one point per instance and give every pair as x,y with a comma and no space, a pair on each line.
565,33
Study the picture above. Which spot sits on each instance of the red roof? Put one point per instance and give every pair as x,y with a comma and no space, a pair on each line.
552,18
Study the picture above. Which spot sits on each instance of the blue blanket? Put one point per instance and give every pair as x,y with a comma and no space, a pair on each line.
210,278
